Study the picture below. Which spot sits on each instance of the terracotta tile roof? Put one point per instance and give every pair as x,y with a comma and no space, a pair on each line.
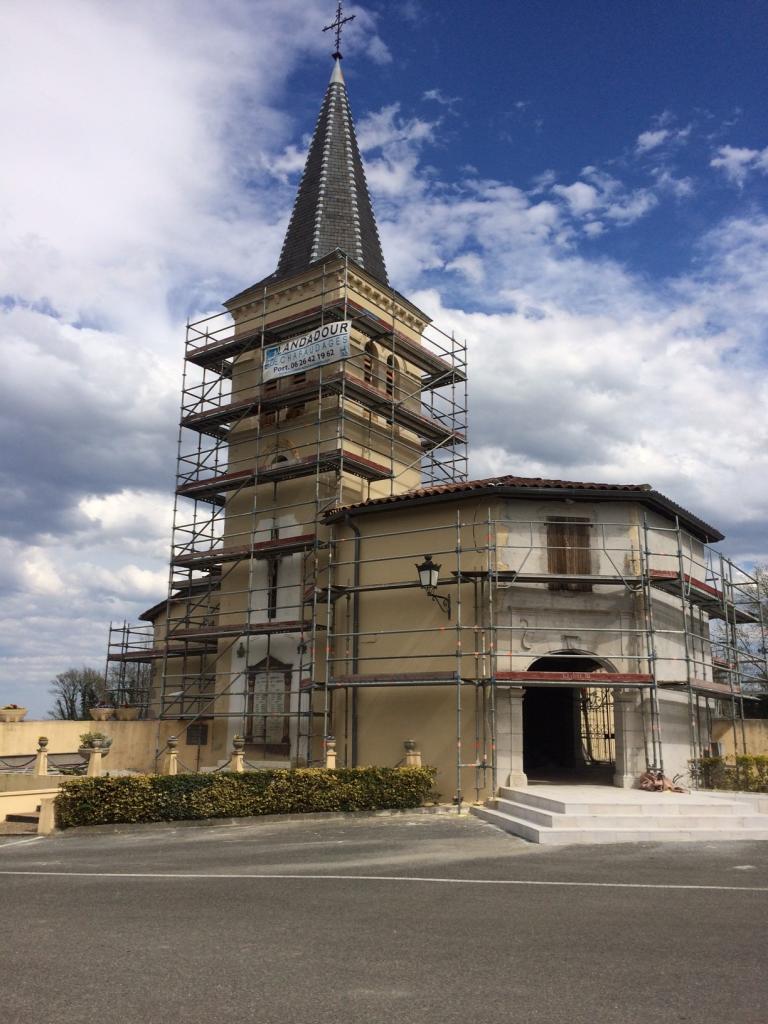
540,487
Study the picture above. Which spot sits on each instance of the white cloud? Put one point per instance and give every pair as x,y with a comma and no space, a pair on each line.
651,139
385,127
470,266
604,196
680,188
663,133
581,198
737,163
438,96
378,51
629,208
391,144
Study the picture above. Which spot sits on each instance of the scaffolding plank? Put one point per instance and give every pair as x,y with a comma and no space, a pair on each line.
513,576
709,598
213,354
378,401
337,460
243,629
266,549
342,383
395,679
156,653
596,679
326,462
706,686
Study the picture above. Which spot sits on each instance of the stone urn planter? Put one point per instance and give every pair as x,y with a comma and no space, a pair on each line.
101,714
12,713
94,741
85,752
127,713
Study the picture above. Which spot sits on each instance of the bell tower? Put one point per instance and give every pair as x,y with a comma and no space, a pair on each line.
318,387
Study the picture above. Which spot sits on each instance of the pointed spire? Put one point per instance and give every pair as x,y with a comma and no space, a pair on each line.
337,74
333,208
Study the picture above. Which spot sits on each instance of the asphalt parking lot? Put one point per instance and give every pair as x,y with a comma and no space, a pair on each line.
419,918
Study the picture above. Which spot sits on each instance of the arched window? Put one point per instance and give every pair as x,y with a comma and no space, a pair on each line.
392,373
370,360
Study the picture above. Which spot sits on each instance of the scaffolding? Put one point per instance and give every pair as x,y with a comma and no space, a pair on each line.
277,620
259,462
668,613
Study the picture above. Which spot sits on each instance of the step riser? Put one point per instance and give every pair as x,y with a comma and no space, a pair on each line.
683,823
672,805
563,836
521,829
605,816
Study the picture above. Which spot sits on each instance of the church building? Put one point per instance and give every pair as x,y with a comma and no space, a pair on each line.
339,584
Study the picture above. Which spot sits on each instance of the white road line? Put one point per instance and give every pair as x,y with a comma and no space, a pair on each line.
20,842
182,876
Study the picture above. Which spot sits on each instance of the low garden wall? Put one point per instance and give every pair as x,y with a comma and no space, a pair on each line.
147,798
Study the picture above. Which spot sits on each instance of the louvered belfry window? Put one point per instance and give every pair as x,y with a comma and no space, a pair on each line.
568,553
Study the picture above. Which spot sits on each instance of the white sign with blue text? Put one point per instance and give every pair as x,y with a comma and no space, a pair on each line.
326,344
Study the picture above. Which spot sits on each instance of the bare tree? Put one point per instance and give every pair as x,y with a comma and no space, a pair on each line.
75,691
129,683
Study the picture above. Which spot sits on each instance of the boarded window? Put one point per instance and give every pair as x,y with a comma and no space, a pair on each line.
267,707
568,552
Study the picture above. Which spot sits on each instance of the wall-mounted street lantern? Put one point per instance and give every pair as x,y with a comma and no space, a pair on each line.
429,577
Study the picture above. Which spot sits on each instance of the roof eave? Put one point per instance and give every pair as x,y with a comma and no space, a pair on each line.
653,499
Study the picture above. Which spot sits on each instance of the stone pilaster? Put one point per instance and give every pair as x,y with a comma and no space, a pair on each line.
630,749
509,736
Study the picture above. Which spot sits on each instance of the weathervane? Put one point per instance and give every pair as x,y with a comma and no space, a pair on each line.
337,26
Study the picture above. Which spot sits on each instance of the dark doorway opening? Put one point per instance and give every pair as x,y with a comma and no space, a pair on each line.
558,726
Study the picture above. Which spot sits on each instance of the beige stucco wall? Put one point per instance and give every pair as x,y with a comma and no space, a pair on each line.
133,743
25,800
755,733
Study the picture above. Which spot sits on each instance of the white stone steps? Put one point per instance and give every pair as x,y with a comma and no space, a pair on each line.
600,814
601,801
659,807
621,819
562,836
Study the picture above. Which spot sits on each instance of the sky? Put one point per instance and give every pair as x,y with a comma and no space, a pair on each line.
580,190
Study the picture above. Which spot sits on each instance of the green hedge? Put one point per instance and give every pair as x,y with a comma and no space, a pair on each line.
748,774
144,798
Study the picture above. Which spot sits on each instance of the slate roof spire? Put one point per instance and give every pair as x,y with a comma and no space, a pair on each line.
333,208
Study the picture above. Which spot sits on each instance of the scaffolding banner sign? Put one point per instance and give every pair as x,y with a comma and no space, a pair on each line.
326,344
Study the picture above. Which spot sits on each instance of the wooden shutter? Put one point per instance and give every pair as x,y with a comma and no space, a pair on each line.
568,541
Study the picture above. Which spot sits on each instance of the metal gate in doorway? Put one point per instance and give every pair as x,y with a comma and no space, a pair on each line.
597,726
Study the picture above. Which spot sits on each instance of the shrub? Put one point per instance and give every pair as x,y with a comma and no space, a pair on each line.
145,798
748,774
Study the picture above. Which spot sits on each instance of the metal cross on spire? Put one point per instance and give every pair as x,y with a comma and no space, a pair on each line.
337,26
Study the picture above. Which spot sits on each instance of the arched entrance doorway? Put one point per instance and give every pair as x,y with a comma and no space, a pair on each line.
568,731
